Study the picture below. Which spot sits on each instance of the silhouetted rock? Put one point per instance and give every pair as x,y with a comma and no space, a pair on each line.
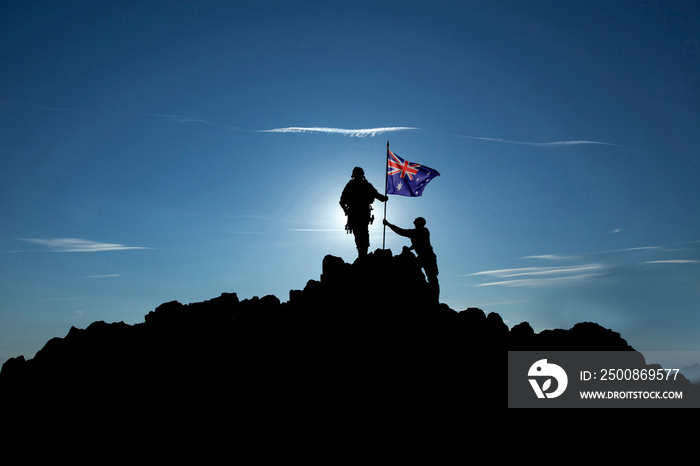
692,373
584,336
364,337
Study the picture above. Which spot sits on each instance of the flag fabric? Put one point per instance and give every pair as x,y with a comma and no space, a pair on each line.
405,178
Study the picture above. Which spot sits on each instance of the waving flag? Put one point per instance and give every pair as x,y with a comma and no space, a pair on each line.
405,178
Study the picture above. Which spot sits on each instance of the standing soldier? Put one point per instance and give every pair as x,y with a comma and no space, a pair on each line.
356,201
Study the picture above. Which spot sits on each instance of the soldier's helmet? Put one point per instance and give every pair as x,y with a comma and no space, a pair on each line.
358,173
419,222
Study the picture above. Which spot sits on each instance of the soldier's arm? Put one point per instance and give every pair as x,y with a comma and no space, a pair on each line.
379,196
397,230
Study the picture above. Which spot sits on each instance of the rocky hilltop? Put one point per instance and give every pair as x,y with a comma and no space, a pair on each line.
365,335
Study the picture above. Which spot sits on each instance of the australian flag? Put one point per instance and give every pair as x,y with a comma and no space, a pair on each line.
405,178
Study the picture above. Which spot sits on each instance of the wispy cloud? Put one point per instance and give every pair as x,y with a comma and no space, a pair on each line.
252,216
543,144
184,119
540,282
673,261
554,257
643,248
541,276
522,271
606,263
175,118
165,116
357,133
77,245
316,229
39,107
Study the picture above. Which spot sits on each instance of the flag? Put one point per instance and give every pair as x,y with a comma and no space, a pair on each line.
405,178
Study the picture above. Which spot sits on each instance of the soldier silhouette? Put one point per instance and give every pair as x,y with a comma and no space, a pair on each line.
356,200
420,242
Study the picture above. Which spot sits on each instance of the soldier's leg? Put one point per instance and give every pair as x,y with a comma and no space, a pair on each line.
362,239
431,272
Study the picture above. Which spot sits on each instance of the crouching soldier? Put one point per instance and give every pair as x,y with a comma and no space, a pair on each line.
420,243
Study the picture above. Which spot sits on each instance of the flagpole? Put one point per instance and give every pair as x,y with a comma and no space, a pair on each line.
386,179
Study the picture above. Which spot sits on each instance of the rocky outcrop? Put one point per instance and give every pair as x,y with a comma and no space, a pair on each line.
365,336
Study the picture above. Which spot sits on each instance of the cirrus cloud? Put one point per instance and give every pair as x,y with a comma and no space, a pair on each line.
77,245
673,261
357,133
543,144
541,276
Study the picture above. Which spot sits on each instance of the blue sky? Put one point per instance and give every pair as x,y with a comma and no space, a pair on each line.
158,151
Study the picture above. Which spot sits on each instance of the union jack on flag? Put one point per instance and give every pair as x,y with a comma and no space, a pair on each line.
405,178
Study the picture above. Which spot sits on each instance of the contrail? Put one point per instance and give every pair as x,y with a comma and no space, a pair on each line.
543,144
357,133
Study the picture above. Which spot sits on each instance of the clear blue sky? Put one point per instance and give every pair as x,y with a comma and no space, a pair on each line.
137,165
